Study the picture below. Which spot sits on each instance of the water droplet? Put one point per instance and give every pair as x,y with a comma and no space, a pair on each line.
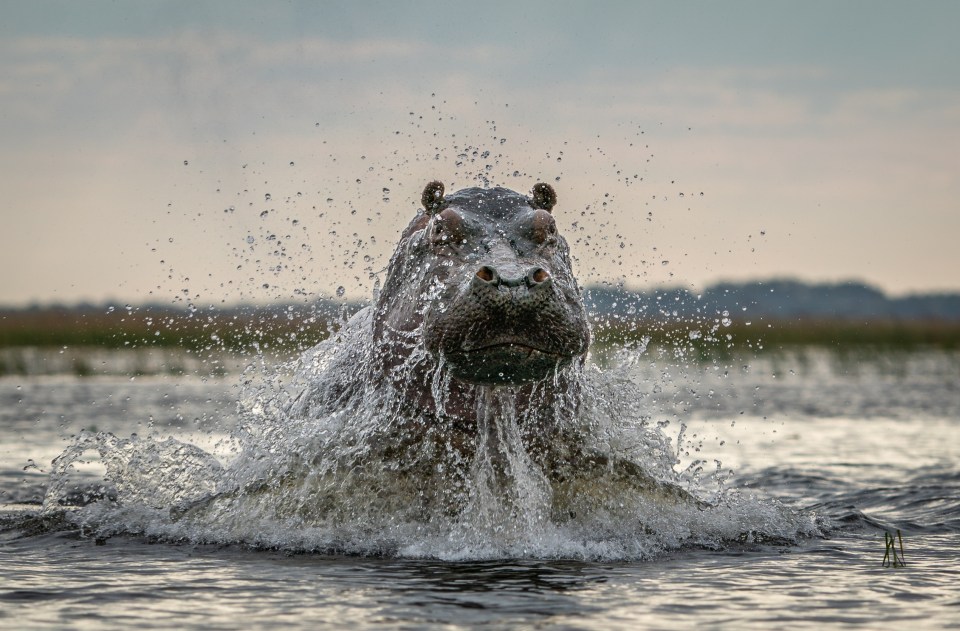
341,290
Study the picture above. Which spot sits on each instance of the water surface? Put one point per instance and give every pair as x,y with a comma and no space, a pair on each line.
864,445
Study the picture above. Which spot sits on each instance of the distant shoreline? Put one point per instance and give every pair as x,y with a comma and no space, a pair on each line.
260,332
779,298
726,319
687,345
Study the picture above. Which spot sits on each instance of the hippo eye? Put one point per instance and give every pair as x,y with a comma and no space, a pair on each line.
447,228
544,228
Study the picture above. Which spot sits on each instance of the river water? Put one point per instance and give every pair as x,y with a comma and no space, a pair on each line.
859,445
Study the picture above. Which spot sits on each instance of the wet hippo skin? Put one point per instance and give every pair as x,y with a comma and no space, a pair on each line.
486,279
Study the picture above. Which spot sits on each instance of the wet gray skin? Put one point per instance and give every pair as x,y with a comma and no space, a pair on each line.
484,276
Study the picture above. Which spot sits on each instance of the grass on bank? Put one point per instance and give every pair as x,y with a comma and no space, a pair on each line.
280,330
708,339
197,331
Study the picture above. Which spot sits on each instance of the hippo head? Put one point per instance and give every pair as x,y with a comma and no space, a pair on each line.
485,278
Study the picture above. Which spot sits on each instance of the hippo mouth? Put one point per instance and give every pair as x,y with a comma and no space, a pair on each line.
504,363
519,347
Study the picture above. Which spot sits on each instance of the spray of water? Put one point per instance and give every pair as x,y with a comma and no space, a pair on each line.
334,455
368,444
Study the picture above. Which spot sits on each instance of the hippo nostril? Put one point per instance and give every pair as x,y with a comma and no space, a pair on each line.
487,274
538,275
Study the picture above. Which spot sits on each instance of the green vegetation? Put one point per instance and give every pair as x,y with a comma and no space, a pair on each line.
285,330
890,557
136,328
708,339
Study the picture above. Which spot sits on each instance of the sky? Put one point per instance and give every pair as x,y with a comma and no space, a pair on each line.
226,151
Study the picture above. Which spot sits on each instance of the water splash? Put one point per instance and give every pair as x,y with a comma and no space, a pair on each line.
509,497
337,453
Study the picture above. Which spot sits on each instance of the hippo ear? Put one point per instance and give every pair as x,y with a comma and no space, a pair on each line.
432,198
544,196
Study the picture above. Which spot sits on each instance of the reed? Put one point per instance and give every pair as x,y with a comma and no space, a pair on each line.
707,339
232,331
890,557
280,329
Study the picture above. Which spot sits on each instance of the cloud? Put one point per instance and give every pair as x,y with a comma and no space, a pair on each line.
104,125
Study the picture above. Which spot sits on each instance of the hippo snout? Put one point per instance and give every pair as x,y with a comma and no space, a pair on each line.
510,325
488,277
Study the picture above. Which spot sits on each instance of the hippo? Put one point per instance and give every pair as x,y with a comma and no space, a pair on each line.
479,303
473,350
